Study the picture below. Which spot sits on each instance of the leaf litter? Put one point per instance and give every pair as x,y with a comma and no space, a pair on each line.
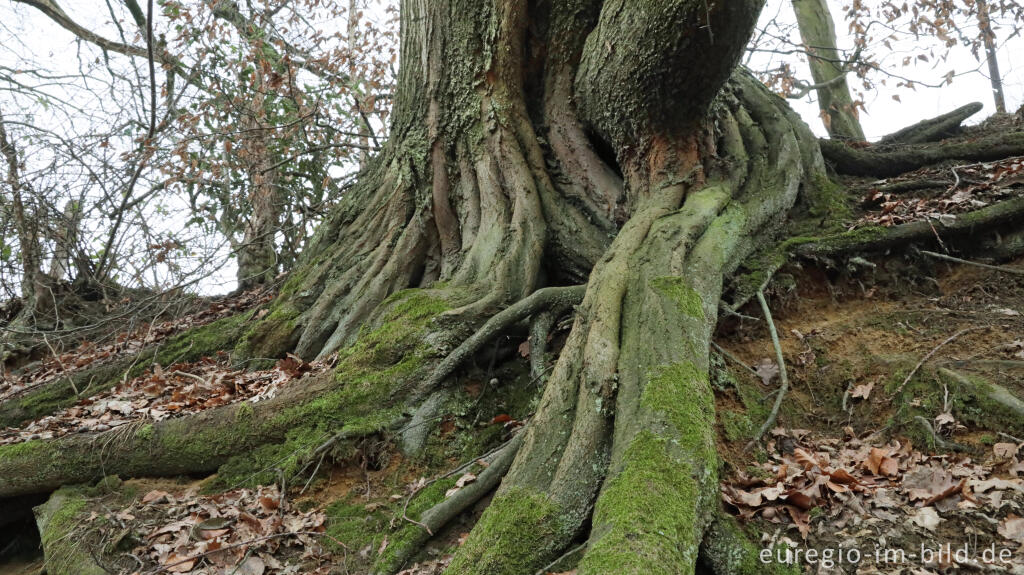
834,491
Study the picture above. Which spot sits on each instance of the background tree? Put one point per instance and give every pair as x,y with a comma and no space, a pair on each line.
814,20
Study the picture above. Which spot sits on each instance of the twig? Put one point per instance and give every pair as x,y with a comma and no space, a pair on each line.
1010,437
189,375
1005,269
783,376
729,355
924,359
568,553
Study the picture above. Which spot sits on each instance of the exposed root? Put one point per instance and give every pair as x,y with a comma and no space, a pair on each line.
884,163
929,355
545,299
937,441
876,238
434,519
783,376
198,443
726,550
540,327
934,129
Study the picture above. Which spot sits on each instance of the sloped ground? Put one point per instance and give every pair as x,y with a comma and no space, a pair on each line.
854,466
887,438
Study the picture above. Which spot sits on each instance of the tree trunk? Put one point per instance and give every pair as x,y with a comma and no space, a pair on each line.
257,256
988,37
534,144
35,294
818,32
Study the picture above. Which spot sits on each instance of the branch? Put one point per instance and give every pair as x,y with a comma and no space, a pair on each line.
57,14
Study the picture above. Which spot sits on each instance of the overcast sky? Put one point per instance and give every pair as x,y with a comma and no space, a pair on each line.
27,35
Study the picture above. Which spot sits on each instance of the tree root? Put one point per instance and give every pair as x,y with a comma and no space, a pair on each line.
726,550
64,548
998,405
430,398
540,327
198,443
544,299
885,163
934,129
938,442
878,238
434,519
783,376
1003,269
64,391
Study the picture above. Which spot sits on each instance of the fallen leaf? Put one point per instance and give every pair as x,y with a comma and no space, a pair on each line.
1012,528
767,370
927,518
1005,450
251,566
862,391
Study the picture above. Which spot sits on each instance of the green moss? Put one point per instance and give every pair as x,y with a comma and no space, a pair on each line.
145,432
729,550
678,290
648,515
409,536
683,393
371,377
495,549
272,335
63,536
355,527
22,449
736,425
244,412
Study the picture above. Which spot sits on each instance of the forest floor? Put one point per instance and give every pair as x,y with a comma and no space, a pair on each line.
886,458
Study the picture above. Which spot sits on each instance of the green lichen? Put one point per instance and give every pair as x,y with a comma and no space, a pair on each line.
679,291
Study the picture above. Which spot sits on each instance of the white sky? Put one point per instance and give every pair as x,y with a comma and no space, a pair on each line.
885,115
24,30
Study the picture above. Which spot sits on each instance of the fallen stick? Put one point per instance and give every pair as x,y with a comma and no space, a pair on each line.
924,359
944,257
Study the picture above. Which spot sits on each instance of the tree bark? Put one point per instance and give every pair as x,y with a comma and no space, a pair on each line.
534,145
818,32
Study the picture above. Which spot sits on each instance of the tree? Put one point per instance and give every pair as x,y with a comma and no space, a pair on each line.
603,157
839,113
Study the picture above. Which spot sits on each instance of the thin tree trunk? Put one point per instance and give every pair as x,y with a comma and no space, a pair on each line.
34,291
257,256
989,38
817,30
